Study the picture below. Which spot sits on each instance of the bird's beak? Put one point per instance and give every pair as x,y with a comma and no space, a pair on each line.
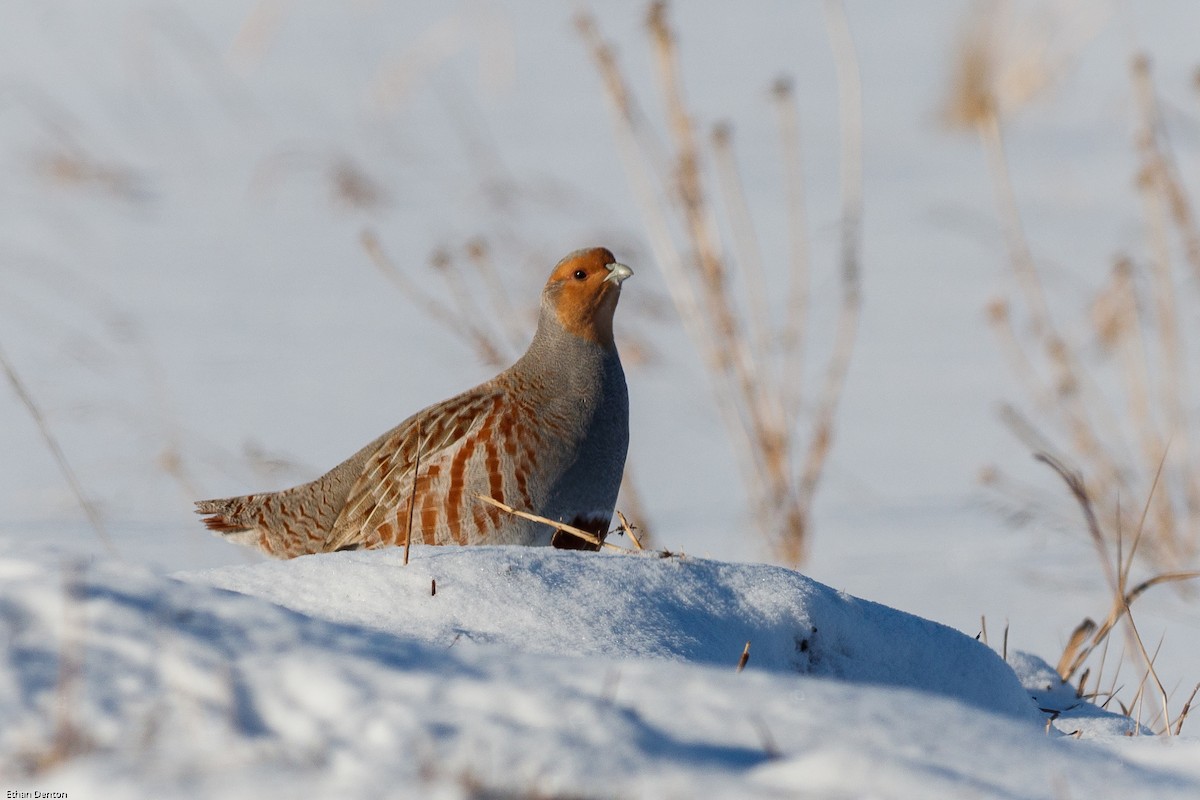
617,273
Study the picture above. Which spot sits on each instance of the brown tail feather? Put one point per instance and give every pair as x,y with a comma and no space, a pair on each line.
291,522
227,515
220,519
251,521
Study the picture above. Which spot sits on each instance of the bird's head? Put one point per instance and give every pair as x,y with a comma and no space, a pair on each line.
583,291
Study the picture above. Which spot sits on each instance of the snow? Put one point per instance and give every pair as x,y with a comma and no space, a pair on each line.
179,689
540,601
184,291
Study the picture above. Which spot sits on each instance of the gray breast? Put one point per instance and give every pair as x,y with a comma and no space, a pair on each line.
588,484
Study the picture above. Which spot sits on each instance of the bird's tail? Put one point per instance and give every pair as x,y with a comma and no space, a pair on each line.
247,520
293,522
228,515
285,524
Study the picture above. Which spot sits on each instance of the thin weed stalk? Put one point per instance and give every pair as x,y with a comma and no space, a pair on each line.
1143,341
628,529
578,533
793,332
412,492
755,363
1187,707
56,452
1088,635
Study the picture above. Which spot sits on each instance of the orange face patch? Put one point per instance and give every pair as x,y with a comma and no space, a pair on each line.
584,299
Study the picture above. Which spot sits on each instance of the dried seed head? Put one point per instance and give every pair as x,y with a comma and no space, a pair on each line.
781,88
439,259
997,311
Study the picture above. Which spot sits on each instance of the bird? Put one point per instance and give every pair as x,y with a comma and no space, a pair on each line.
549,436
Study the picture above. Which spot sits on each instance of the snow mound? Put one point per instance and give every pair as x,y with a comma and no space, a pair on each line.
118,683
538,600
1058,699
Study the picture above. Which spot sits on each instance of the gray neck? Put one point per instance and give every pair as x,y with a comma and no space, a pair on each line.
563,356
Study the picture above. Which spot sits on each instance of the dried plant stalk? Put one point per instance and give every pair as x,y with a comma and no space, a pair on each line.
558,526
56,452
1088,635
412,492
745,243
791,337
625,526
1167,204
480,255
755,364
850,92
1114,418
1187,707
645,160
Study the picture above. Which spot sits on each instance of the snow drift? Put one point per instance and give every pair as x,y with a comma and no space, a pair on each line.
529,672
537,600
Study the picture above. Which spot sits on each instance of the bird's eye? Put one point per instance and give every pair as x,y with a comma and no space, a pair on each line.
580,275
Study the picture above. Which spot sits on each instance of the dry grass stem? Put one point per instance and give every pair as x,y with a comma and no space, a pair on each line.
791,337
745,242
1153,673
1187,707
559,526
1088,635
1162,164
1167,205
56,452
630,497
429,303
412,492
1075,652
488,342
501,303
754,360
850,105
625,526
1116,413
646,167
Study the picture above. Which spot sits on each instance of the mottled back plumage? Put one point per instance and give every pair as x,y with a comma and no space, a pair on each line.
547,435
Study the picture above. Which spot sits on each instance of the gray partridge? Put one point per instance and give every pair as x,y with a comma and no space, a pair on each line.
548,435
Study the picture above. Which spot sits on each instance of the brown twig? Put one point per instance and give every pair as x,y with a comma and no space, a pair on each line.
412,493
625,526
1077,651
755,365
1146,338
1187,707
560,526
